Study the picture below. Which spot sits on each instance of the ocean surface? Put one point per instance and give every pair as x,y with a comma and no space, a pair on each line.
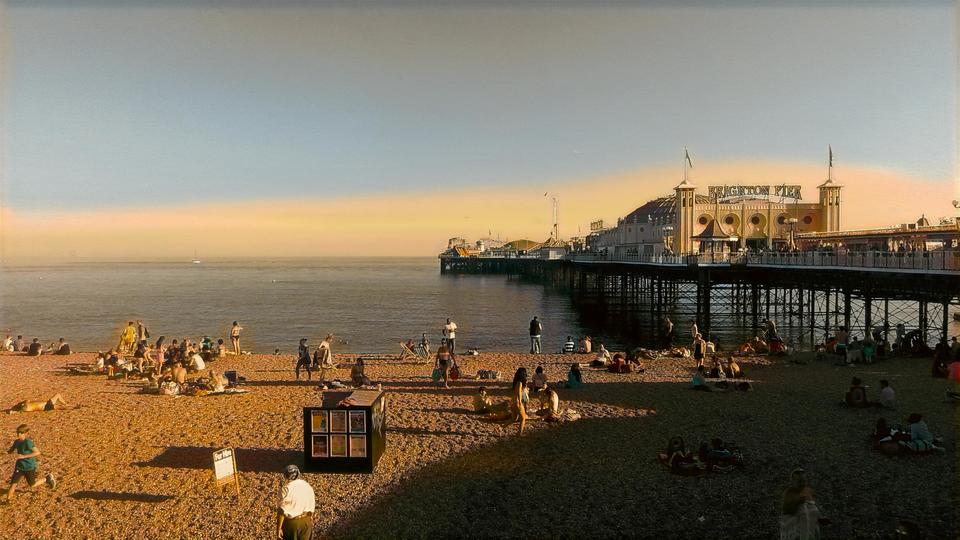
370,304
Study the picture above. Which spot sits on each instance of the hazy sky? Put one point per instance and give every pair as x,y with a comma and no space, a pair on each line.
113,106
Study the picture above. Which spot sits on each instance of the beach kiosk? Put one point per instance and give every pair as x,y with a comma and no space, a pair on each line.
347,433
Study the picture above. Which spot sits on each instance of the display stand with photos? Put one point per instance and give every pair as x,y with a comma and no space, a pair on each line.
347,433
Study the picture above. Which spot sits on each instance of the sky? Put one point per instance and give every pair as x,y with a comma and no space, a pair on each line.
405,123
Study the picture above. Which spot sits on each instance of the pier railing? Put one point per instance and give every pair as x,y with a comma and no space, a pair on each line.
943,261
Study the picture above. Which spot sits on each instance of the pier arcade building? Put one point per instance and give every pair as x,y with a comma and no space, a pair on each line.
726,218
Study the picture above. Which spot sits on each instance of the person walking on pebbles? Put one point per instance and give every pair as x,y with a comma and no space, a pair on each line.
297,505
450,332
26,463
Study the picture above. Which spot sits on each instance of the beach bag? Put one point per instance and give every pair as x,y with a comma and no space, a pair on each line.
454,372
436,374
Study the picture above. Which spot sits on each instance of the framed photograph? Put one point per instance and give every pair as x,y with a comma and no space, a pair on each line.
338,446
319,446
358,422
338,421
318,421
358,446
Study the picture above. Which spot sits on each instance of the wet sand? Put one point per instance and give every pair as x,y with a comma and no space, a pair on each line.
133,465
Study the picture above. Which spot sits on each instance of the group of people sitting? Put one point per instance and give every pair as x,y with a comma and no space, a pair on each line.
946,360
856,396
914,439
717,456
583,346
517,408
35,348
722,371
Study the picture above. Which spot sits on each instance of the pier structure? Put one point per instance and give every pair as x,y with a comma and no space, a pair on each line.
811,294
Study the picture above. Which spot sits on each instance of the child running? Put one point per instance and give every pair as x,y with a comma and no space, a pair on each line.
26,465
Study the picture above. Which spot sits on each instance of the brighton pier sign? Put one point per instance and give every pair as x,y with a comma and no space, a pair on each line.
727,193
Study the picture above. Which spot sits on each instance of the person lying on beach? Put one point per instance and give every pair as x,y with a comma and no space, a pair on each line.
574,376
619,365
35,349
54,403
759,346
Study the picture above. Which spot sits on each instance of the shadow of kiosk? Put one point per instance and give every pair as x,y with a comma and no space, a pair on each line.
347,433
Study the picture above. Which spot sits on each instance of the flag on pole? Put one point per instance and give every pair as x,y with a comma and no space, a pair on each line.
686,154
830,148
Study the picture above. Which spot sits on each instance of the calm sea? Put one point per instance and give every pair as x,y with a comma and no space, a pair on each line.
370,304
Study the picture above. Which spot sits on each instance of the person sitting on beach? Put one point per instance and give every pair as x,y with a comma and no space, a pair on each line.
549,404
54,403
717,371
733,369
679,460
178,374
574,376
35,349
888,398
698,382
602,359
357,374
717,456
8,344
799,513
586,345
481,401
515,410
220,349
63,348
18,344
939,369
921,440
197,363
425,344
759,346
857,395
745,348
539,380
569,346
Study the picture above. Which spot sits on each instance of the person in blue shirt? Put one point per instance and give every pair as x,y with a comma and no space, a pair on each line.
26,465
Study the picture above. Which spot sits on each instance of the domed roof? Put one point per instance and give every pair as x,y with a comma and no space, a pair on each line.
923,221
520,245
660,210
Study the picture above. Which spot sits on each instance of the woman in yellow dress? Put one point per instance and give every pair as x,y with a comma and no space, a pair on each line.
127,338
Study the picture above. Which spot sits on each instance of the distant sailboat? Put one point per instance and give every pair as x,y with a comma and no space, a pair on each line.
195,259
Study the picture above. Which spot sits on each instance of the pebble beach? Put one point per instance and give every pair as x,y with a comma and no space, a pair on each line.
138,465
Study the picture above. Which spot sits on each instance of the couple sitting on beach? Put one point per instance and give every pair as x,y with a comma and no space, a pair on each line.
716,457
514,409
730,371
915,439
856,396
699,382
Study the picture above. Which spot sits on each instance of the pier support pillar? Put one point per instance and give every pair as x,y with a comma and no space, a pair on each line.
945,328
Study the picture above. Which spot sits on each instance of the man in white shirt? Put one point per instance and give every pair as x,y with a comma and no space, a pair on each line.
297,505
450,331
888,398
8,344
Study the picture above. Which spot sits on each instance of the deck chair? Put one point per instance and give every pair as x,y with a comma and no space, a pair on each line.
416,353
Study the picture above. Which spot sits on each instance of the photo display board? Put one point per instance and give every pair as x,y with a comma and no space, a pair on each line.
345,438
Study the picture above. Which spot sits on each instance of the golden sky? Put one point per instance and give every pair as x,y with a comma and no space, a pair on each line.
418,224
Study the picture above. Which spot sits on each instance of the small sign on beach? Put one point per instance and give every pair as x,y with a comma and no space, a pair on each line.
225,468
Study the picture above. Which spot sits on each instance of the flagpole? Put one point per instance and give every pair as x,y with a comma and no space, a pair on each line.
830,164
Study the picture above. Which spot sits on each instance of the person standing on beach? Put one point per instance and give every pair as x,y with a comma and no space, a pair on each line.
303,359
297,505
26,464
127,339
535,330
235,337
699,349
667,332
142,332
450,332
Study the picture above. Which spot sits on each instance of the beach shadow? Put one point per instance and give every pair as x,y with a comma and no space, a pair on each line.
118,496
449,410
301,382
418,431
268,460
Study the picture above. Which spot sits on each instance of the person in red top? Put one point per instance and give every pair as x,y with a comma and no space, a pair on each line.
953,371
